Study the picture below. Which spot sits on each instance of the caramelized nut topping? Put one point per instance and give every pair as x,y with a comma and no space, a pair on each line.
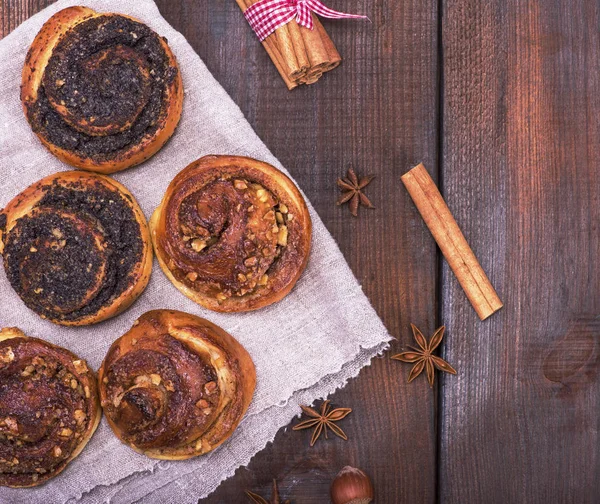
210,387
198,244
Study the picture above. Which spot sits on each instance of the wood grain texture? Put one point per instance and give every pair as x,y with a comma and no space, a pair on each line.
377,113
520,157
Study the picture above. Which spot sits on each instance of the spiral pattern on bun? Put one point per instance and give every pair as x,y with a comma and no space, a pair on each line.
103,92
232,233
49,409
76,247
175,386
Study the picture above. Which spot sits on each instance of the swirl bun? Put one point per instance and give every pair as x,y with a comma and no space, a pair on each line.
76,247
232,233
175,386
49,409
103,92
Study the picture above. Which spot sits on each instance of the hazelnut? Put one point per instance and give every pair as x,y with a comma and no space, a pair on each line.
351,486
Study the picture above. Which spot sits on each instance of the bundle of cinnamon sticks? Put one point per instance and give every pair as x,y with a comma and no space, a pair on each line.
301,55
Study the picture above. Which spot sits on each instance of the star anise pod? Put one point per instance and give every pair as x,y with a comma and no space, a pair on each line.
322,421
257,499
423,357
353,186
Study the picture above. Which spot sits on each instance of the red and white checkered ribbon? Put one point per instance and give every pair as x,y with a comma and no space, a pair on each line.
266,16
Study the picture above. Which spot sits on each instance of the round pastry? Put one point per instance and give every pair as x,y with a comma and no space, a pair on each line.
76,247
232,233
102,91
175,386
49,409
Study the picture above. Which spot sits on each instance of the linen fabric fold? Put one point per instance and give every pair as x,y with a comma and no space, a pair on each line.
318,337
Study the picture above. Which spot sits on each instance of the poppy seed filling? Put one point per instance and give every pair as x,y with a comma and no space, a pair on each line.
75,251
103,89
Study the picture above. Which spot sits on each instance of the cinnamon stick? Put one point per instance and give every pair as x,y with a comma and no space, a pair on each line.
451,241
300,55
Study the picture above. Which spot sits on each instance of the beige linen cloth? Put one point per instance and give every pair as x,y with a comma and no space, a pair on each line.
304,347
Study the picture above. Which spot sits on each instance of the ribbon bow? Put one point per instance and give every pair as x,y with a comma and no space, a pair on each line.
266,16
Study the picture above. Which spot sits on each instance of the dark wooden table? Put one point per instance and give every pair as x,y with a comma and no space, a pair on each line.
501,101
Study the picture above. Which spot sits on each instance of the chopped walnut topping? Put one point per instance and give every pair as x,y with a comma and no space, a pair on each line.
12,424
74,384
221,297
56,451
282,237
210,387
240,184
33,250
79,416
57,233
283,208
198,245
80,366
192,276
202,403
66,432
28,371
169,386
7,355
251,261
86,390
156,379
263,280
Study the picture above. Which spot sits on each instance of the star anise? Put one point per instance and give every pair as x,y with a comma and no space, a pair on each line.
257,499
353,186
423,357
322,421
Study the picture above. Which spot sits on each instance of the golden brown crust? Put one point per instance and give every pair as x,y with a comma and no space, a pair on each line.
232,233
49,409
58,28
76,247
175,386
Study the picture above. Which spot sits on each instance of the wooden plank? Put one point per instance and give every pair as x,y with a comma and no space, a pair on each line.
520,161
377,113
